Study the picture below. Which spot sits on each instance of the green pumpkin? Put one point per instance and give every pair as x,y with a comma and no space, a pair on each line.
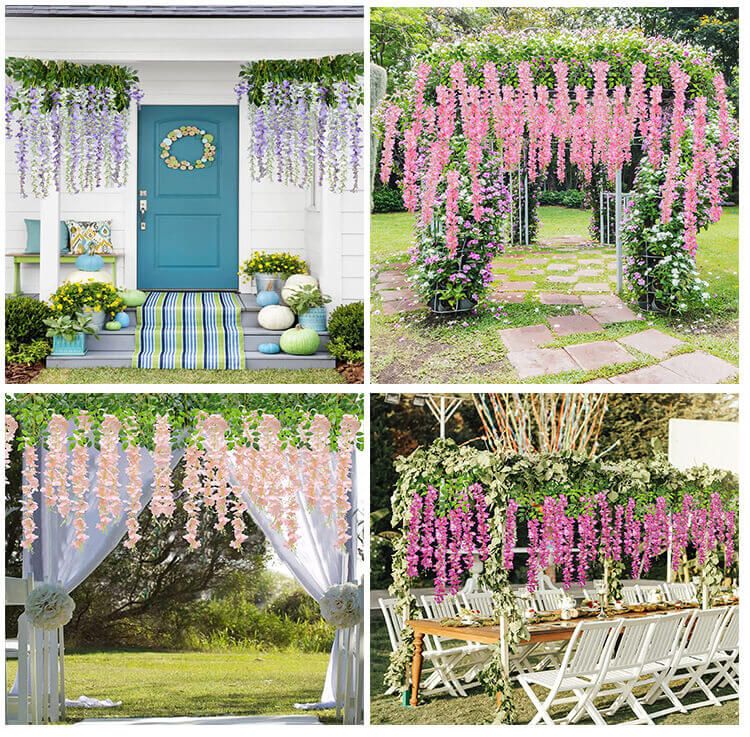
299,341
133,297
112,325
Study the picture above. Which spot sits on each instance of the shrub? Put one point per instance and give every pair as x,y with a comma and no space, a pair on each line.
24,320
572,198
386,199
27,354
296,605
346,327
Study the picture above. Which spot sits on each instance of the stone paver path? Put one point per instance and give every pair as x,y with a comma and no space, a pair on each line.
591,356
570,324
653,342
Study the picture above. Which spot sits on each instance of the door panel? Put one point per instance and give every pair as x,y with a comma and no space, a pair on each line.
191,236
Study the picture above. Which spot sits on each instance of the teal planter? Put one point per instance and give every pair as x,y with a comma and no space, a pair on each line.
75,347
314,318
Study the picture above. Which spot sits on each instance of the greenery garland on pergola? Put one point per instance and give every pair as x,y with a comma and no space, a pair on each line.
524,480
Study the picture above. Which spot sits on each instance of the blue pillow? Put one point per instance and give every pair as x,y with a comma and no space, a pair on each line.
32,236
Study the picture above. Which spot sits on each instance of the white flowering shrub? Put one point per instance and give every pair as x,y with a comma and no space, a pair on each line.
341,606
49,607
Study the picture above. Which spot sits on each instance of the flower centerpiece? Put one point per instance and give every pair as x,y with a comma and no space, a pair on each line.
341,606
49,607
309,304
100,300
68,333
271,268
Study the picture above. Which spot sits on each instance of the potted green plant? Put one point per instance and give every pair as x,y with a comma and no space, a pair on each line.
308,302
100,300
271,269
68,333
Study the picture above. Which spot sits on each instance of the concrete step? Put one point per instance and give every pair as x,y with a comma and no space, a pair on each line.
253,360
124,340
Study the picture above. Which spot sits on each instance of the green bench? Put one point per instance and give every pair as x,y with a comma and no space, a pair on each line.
33,258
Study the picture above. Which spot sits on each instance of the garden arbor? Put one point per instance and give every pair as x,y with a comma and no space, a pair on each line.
484,113
583,515
92,465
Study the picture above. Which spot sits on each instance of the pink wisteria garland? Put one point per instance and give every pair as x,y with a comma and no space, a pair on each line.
275,476
11,428
470,122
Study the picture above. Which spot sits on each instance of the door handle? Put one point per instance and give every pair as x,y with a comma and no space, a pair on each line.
142,207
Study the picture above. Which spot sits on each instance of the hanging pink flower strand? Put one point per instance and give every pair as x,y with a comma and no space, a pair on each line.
162,502
29,489
11,427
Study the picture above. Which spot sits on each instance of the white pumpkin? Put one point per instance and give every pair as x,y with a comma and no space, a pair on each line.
89,276
294,282
276,317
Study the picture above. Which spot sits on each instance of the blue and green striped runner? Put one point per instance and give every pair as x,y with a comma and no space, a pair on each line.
189,330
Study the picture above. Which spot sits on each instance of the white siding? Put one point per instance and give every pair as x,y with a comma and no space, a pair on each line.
272,216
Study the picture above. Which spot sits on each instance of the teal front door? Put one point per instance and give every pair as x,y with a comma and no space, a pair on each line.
188,168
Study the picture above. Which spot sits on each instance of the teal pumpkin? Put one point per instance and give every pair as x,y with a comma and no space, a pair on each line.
269,348
267,297
123,318
133,297
112,325
89,262
299,341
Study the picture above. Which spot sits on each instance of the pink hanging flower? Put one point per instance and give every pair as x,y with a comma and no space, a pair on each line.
510,535
451,211
714,185
55,481
162,501
107,475
412,544
343,482
680,81
392,114
441,551
11,427
427,532
730,523
194,493
587,541
134,486
637,107
581,141
534,563
600,112
695,177
411,173
29,488
79,480
725,131
481,523
561,122
216,468
680,530
653,133
620,134
632,538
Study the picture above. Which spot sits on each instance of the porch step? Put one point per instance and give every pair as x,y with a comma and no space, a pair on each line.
124,340
253,360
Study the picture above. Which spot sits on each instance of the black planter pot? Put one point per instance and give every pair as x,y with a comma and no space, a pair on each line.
439,307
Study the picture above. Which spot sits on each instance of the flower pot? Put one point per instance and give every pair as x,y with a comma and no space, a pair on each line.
63,347
314,318
267,281
439,307
97,319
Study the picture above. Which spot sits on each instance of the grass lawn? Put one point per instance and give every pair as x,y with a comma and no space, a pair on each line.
187,376
414,347
478,707
157,684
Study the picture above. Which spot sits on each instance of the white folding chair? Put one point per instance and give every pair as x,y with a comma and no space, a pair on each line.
22,701
680,592
588,650
725,663
631,595
549,600
434,674
480,601
691,660
646,591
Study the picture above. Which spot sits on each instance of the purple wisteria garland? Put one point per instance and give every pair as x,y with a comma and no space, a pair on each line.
303,132
74,137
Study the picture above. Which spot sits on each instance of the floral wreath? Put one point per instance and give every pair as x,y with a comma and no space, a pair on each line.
209,148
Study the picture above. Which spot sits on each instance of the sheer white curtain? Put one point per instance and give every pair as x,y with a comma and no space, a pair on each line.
317,562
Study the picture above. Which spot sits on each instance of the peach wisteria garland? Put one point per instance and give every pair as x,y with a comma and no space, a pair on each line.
223,474
524,124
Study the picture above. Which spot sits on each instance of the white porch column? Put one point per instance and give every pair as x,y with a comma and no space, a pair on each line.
49,245
330,245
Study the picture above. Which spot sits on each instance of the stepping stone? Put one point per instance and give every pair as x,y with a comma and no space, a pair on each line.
560,267
649,375
601,300
613,313
557,298
390,295
591,286
589,260
529,272
597,355
587,272
534,261
519,339
519,286
562,279
511,298
653,342
390,277
569,324
541,361
700,367
598,381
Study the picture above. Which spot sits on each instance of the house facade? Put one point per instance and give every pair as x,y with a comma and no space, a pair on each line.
188,62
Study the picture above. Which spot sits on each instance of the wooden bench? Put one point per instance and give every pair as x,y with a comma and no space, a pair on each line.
33,258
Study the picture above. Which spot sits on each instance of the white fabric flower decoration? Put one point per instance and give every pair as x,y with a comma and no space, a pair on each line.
341,606
49,607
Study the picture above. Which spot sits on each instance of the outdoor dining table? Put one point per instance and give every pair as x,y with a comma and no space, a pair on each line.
490,635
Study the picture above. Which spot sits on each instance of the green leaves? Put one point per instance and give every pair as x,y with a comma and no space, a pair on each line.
325,72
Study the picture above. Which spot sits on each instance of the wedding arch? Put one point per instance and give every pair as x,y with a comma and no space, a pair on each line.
479,116
91,464
456,504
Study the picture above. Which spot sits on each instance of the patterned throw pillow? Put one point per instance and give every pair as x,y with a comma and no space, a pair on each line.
90,237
